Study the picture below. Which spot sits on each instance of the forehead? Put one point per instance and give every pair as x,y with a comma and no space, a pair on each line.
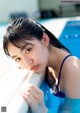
23,42
20,46
13,49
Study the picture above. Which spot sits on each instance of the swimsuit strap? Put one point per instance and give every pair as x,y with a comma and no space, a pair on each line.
61,68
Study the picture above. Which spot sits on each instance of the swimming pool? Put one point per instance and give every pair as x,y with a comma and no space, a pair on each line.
70,37
52,102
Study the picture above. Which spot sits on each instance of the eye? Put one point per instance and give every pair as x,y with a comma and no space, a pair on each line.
17,59
28,50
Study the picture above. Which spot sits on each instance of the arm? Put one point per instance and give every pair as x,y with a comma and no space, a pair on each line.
72,86
72,79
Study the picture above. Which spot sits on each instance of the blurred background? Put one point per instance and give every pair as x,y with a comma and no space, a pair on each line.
38,9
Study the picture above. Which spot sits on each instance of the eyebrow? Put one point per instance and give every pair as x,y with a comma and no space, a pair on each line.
13,56
22,49
26,46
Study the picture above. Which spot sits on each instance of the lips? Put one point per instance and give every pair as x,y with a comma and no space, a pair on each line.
34,67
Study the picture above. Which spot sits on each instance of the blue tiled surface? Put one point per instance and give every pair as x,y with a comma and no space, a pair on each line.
70,37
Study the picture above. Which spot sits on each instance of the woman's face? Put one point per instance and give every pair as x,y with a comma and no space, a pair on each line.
34,56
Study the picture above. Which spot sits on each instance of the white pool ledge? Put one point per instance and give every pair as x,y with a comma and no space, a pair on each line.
12,81
18,105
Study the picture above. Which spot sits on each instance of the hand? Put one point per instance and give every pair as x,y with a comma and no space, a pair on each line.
35,98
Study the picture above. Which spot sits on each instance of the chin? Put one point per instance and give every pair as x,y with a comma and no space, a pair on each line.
40,72
37,72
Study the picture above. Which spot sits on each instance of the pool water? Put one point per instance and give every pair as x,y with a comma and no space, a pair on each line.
51,101
59,105
70,37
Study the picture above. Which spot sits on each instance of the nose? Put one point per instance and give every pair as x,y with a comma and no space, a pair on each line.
27,62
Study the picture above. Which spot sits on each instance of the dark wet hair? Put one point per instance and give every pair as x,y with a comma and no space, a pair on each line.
22,29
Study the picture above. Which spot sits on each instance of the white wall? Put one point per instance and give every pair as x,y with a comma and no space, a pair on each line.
10,6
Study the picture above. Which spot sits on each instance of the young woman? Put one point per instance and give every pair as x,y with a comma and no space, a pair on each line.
35,48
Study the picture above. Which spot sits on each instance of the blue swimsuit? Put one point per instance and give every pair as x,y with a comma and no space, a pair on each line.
55,88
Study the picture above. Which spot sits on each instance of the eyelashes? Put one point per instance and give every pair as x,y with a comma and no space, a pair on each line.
17,59
28,50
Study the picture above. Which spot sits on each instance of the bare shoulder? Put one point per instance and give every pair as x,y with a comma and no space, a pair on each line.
71,72
72,66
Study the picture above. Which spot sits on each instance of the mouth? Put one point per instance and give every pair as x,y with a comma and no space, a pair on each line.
34,68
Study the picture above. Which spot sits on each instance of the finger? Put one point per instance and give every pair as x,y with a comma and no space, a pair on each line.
30,100
36,90
37,95
29,94
31,88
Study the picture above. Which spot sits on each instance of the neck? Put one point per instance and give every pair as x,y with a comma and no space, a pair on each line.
55,58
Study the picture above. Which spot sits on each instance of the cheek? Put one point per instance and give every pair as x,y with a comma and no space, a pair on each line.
21,65
43,57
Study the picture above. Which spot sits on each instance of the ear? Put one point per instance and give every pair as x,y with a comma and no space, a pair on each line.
45,39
